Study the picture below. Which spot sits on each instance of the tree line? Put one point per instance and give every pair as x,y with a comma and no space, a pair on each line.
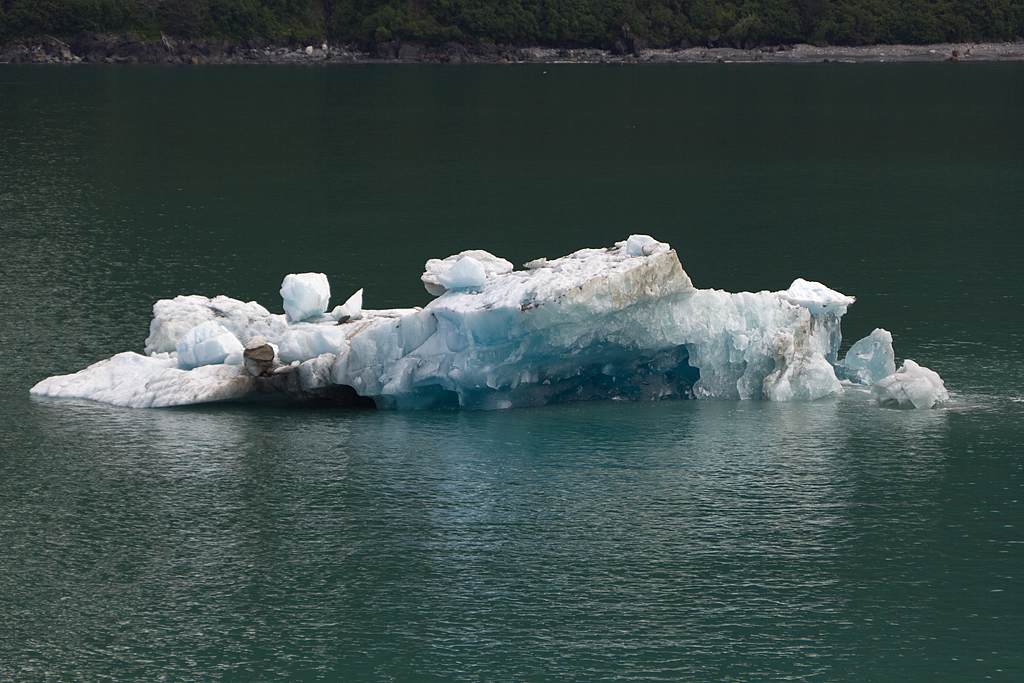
561,23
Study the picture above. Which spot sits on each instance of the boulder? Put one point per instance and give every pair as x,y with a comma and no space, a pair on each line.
258,356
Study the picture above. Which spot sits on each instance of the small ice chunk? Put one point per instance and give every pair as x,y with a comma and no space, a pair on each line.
310,341
432,270
815,297
208,343
305,295
911,385
870,359
172,318
352,309
467,272
644,245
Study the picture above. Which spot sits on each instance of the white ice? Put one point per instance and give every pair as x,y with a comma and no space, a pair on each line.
136,381
467,272
208,343
816,297
623,322
435,269
352,309
172,318
912,386
644,245
305,295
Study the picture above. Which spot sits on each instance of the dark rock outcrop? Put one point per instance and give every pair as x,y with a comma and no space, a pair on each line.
387,50
287,381
411,52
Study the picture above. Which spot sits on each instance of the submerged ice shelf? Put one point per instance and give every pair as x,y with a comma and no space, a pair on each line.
623,323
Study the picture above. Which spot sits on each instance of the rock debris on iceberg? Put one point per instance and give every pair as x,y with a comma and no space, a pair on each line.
619,323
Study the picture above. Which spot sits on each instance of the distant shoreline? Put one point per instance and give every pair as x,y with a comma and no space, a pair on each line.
90,48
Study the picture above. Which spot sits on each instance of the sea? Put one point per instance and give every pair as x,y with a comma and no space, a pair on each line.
701,541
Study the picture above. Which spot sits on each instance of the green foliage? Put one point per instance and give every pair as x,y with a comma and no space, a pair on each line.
240,18
502,22
597,23
185,18
67,17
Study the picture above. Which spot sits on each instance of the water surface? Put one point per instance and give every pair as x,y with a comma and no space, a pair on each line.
725,541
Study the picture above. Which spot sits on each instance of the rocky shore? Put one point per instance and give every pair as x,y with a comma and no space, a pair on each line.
90,48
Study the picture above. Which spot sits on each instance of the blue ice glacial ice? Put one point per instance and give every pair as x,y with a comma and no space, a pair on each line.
869,360
622,323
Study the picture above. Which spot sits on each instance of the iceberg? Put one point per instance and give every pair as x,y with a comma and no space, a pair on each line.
622,323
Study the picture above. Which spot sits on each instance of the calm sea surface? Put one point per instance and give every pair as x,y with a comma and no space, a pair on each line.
696,541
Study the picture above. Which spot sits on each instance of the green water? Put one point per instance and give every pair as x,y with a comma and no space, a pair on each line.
698,541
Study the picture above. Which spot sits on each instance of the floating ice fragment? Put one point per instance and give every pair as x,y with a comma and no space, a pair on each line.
305,295
208,343
869,360
911,385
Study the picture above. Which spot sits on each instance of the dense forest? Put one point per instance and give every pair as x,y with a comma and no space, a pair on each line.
565,23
